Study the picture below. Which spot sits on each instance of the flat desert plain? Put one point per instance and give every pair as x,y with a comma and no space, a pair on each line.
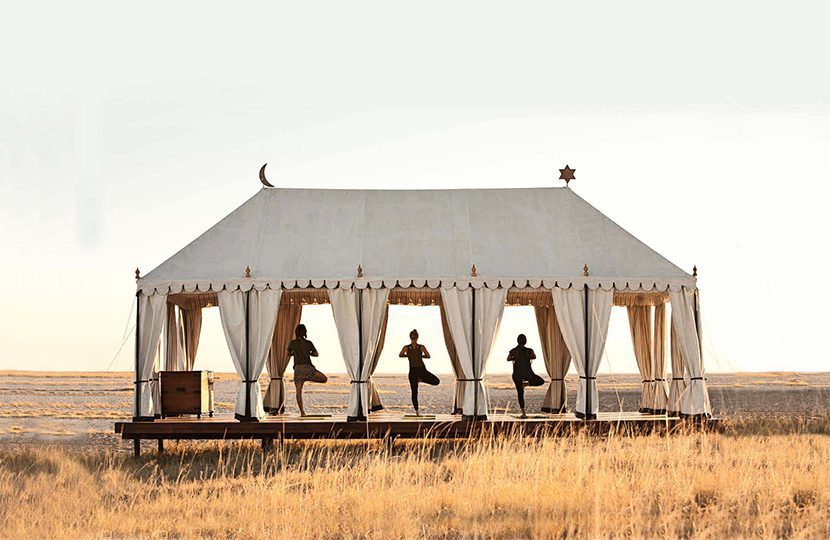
79,409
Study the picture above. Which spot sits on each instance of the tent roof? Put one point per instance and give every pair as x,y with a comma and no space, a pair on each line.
318,237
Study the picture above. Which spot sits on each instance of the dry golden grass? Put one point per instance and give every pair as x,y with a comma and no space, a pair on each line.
765,478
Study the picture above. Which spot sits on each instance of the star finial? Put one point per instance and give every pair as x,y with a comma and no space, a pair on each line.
567,174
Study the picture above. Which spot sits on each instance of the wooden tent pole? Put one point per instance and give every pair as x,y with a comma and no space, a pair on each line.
473,357
587,360
360,415
247,356
137,346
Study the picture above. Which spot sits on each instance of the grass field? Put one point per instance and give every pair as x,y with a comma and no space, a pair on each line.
761,478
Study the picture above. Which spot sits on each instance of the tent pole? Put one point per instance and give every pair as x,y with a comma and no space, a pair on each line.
137,345
587,360
473,353
360,415
247,356
697,322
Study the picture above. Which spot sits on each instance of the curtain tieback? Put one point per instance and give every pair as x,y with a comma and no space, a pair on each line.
144,380
276,378
469,380
554,380
697,379
647,381
659,380
677,378
588,378
359,382
254,380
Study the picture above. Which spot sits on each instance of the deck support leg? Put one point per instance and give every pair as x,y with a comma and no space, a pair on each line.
136,448
267,444
390,442
161,446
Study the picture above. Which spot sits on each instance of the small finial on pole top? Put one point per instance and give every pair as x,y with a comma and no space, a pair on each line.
585,271
359,271
137,274
694,271
247,271
473,271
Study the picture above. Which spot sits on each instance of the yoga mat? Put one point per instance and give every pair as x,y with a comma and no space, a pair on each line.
426,416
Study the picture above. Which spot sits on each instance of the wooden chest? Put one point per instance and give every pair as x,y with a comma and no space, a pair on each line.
186,392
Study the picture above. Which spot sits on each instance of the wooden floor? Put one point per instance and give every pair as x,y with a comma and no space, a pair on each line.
390,425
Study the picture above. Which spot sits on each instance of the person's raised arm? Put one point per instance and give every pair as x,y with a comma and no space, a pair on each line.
313,349
511,356
402,354
532,355
425,352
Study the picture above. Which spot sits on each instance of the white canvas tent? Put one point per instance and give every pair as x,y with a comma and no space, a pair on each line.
469,251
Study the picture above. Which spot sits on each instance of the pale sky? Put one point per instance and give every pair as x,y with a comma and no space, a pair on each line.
127,130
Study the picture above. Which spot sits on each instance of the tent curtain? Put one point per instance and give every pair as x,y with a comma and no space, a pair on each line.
288,317
374,396
489,306
639,321
249,319
346,304
570,309
151,317
173,339
191,322
677,385
695,399
557,359
658,358
458,371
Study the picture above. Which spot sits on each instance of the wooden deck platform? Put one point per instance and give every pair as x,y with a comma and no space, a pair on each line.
390,426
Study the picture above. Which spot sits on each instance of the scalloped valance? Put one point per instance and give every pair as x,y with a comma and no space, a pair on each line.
608,284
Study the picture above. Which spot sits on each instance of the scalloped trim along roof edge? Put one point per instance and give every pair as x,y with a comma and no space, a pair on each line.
246,284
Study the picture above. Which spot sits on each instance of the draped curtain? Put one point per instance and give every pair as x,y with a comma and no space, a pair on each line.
374,396
677,385
457,370
639,321
152,311
695,399
288,317
191,322
489,306
570,309
346,305
182,329
249,319
557,359
660,394
173,339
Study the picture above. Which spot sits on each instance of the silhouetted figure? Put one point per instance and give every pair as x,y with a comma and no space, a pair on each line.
523,375
302,350
417,370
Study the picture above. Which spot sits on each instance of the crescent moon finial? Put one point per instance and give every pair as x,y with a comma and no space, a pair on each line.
262,178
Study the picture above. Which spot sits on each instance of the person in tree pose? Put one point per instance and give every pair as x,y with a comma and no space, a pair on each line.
523,375
302,349
416,353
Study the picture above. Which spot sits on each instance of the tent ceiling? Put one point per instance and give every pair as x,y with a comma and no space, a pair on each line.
317,238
